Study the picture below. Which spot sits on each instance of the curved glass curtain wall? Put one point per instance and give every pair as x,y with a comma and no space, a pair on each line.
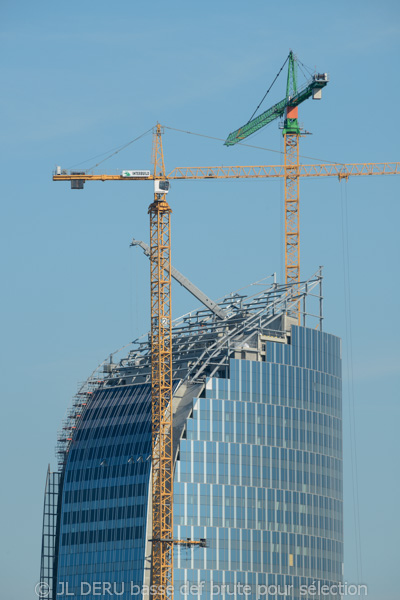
105,494
259,476
260,473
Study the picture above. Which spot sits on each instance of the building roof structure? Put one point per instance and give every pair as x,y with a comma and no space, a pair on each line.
202,343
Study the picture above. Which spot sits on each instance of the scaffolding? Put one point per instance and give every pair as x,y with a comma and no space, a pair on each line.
202,344
48,566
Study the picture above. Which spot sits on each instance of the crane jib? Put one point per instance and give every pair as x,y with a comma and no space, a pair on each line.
277,110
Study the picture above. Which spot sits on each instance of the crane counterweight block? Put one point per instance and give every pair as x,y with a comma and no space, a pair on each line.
160,205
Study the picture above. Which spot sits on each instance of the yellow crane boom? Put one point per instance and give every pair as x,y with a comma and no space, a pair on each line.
342,171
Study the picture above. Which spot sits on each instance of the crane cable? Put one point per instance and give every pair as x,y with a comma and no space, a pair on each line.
308,69
299,65
350,379
210,137
117,150
269,89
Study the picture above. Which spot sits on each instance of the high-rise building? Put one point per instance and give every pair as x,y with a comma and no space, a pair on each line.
258,459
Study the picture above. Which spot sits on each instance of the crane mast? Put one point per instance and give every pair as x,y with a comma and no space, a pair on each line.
161,377
291,134
292,212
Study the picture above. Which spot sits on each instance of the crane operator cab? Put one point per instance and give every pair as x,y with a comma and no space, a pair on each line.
161,186
321,77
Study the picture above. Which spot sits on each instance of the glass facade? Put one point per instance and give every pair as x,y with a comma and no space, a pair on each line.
105,495
258,475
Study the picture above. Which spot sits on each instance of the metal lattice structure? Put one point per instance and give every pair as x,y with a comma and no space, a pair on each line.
292,215
48,566
339,170
202,344
161,382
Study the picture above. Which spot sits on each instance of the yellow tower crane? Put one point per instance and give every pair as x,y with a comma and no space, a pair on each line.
161,325
161,376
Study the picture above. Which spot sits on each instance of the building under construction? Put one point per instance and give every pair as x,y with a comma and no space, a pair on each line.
208,461
257,458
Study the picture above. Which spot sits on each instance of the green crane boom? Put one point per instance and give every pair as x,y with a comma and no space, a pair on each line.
293,98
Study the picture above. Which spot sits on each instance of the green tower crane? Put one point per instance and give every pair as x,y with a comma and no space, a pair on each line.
287,108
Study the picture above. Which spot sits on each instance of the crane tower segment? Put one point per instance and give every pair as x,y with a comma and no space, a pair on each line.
161,378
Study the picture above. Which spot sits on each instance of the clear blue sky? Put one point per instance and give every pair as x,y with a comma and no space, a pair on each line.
80,78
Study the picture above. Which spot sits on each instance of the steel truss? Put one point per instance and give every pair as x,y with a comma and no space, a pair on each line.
161,384
292,210
202,344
